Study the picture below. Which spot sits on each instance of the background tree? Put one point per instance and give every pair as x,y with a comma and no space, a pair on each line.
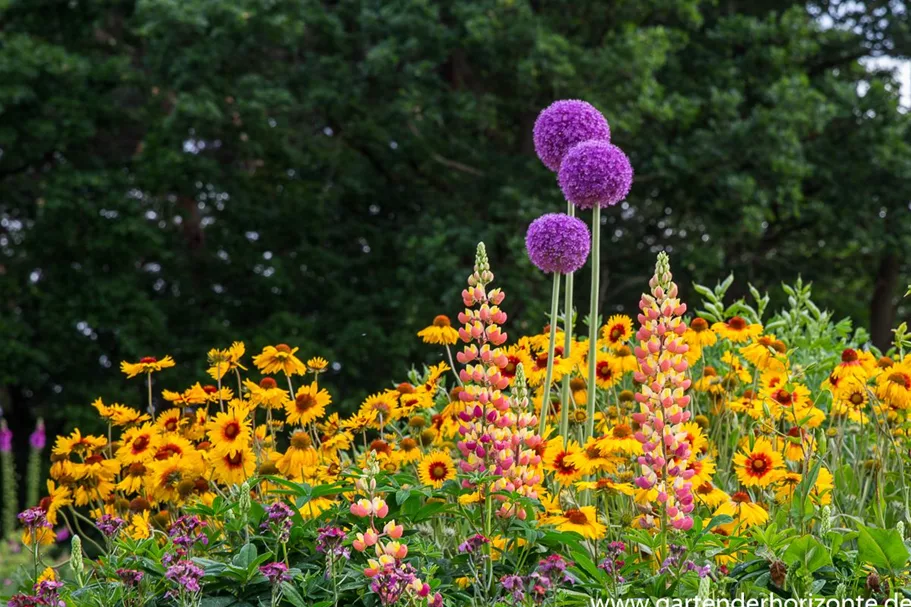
177,175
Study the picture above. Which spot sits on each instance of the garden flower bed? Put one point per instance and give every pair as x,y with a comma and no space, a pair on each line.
715,452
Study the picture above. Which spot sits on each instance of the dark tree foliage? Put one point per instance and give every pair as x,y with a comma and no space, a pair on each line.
178,175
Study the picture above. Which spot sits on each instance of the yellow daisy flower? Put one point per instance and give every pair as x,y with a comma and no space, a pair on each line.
698,335
280,358
617,331
223,362
440,332
760,465
436,468
736,329
309,405
147,364
583,520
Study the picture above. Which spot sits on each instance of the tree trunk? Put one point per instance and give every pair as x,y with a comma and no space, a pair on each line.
882,310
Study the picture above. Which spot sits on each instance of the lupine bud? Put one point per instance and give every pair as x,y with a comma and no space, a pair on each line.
826,523
76,561
900,527
243,503
705,587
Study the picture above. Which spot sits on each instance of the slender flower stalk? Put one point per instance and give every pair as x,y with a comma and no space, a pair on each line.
551,346
662,402
565,397
593,323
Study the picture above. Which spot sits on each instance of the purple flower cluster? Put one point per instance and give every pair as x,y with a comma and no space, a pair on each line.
395,578
186,575
550,574
38,438
187,531
6,439
276,572
34,518
674,562
46,595
329,541
612,562
595,173
473,543
563,124
558,243
110,525
278,520
130,577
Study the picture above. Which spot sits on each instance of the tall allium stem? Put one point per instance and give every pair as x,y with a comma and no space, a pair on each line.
662,402
593,322
551,346
567,343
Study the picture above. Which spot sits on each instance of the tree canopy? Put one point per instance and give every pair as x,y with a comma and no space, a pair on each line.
179,175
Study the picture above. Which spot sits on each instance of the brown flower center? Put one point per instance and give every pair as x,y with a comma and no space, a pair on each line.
409,444
147,360
141,443
576,516
441,320
699,325
232,430
759,464
622,431
283,348
849,356
737,323
267,383
236,460
439,471
604,370
741,497
381,446
301,440
304,402
617,332
901,379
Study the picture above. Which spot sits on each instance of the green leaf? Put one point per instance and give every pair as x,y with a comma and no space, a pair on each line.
882,548
809,552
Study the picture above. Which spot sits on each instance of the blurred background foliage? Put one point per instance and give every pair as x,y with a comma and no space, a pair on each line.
178,174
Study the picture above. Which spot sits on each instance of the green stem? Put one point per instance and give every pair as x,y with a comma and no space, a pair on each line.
566,395
593,322
548,377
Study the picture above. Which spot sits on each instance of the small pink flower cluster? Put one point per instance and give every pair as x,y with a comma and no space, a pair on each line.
498,431
391,576
662,400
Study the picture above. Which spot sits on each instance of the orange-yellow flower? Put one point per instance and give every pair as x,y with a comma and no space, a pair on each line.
147,364
280,358
760,465
440,332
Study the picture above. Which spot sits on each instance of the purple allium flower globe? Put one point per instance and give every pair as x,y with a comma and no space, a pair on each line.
595,173
558,243
563,124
